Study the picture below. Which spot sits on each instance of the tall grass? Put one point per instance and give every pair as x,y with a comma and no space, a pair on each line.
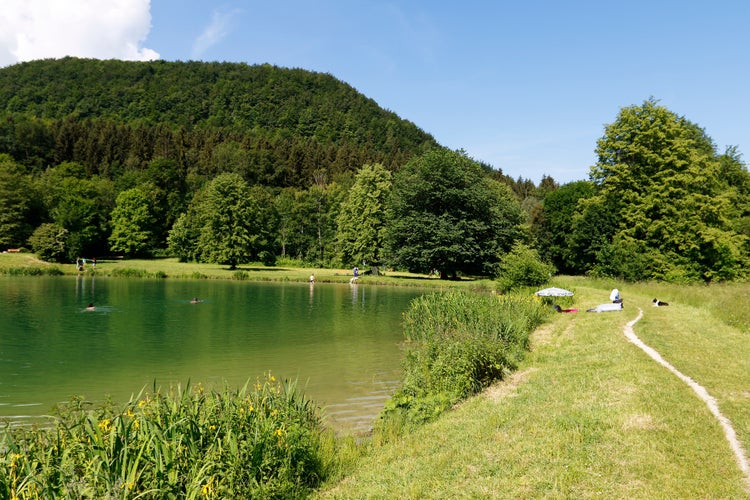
32,271
263,441
458,343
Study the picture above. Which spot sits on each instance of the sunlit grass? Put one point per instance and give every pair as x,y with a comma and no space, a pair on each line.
587,414
171,268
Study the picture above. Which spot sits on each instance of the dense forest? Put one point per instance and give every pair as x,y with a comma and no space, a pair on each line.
275,126
232,163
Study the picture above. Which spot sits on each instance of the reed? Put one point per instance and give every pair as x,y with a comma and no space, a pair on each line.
458,343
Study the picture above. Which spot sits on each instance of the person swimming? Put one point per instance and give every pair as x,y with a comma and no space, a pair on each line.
90,307
195,300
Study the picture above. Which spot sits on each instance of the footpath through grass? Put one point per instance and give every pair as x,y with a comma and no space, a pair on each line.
588,414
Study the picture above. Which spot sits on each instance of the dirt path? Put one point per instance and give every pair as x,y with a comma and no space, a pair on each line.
726,424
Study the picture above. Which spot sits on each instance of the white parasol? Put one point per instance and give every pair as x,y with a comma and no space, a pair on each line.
554,292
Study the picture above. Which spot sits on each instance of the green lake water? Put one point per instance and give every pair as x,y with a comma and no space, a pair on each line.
341,342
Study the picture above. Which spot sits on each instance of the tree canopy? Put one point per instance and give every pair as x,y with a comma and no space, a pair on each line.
553,226
662,207
227,217
361,220
14,204
133,221
446,215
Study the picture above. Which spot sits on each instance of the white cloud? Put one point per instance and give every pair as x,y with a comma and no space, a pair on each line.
214,32
100,29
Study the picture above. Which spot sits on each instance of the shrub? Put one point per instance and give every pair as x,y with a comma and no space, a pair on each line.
523,267
289,262
49,242
127,272
32,271
240,275
268,258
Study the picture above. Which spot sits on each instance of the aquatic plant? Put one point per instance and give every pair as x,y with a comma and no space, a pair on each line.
262,440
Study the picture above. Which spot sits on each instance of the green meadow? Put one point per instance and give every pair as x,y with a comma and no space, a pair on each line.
587,414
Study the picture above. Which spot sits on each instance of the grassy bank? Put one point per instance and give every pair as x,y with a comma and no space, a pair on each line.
27,264
587,414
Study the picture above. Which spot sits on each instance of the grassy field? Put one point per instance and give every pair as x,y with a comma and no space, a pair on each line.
171,268
588,414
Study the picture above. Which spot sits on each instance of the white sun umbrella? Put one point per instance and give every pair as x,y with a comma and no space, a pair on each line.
554,292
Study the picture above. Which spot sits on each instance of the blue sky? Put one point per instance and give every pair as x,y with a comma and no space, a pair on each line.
525,86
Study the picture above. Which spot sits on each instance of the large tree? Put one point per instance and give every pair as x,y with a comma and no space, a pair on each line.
659,179
552,226
15,203
446,214
81,205
133,223
361,220
227,222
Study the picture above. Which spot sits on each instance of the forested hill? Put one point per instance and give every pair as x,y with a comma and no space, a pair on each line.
275,126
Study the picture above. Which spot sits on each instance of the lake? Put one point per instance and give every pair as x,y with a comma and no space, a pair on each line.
341,342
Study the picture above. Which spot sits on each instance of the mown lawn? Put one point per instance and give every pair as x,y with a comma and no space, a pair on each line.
588,414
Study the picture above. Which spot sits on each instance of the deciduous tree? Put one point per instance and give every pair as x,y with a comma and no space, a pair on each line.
446,214
14,204
226,216
48,242
660,177
361,221
553,226
133,224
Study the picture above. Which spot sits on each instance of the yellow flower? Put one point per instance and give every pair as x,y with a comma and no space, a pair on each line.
130,413
279,432
136,424
212,427
207,489
250,409
141,403
105,425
